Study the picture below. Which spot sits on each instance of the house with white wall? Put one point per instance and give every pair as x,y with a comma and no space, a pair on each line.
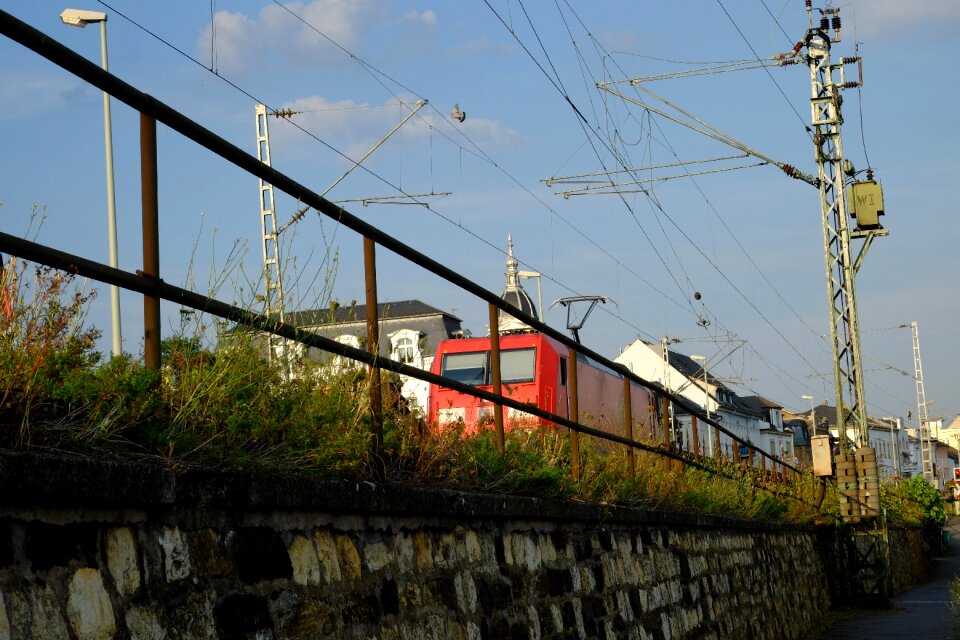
755,420
410,331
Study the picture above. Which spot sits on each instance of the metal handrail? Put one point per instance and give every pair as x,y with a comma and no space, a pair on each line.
147,105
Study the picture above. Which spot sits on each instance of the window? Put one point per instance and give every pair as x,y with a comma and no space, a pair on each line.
469,368
405,350
405,346
516,365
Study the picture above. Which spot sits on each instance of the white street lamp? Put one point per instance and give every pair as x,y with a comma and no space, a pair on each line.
81,18
706,397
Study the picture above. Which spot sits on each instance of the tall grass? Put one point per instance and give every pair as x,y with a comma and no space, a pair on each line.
219,402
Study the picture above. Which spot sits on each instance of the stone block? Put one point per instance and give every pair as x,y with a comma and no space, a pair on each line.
327,555
4,622
423,550
143,624
88,606
466,592
123,560
208,557
404,556
304,561
348,557
176,556
46,621
376,555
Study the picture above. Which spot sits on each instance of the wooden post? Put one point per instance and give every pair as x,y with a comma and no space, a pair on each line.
495,375
373,348
695,436
151,239
628,427
666,429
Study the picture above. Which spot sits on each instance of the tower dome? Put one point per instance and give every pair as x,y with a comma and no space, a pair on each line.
515,294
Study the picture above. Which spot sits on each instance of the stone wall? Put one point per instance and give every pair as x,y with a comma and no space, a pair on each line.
91,550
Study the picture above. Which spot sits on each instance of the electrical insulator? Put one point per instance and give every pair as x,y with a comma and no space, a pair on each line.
824,23
836,28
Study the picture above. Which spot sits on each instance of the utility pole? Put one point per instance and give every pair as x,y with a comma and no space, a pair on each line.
827,80
926,446
272,271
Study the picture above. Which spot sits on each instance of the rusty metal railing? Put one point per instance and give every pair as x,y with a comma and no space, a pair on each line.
149,282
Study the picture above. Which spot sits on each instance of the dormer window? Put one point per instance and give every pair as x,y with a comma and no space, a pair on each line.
405,350
405,347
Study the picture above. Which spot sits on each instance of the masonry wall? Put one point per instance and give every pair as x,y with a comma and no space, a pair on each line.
92,550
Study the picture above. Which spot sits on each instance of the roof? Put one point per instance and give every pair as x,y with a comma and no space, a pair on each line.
358,313
759,403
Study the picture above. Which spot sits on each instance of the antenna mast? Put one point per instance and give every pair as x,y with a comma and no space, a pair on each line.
272,279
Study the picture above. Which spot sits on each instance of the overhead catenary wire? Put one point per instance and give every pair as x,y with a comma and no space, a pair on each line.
745,149
477,151
767,320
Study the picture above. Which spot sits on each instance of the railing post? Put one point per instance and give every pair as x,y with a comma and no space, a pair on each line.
574,414
666,429
495,375
151,239
373,348
695,436
716,443
628,426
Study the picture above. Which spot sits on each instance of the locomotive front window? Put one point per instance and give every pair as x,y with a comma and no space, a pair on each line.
518,365
468,368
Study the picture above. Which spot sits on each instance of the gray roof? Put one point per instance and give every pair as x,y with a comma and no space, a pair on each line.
341,314
433,324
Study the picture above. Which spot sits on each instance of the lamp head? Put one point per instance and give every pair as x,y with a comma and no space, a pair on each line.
81,17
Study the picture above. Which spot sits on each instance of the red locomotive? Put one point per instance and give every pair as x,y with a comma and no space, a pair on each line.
534,370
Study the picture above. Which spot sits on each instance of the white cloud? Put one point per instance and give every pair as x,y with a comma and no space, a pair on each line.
874,17
240,38
34,95
427,17
354,127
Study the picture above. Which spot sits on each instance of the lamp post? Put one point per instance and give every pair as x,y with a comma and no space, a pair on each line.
706,397
81,18
537,275
813,417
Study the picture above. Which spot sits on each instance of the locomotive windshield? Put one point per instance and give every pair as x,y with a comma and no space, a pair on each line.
468,368
516,365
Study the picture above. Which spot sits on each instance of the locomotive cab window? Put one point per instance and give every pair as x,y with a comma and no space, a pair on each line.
518,365
468,368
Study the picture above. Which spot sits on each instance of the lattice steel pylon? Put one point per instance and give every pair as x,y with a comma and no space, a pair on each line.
272,277
827,79
926,446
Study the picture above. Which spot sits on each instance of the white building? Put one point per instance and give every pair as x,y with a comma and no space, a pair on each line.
755,420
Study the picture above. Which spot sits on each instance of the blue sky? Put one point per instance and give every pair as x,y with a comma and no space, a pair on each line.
749,241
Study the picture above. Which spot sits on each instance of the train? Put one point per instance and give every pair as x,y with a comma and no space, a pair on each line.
534,369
